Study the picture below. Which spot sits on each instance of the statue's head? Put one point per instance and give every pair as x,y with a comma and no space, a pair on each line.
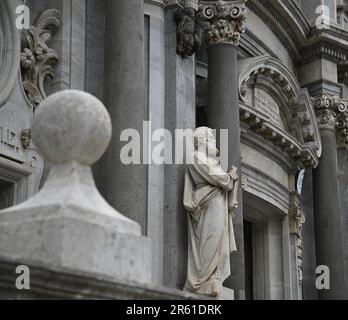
204,141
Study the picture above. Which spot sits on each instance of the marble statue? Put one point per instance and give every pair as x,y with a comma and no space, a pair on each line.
210,198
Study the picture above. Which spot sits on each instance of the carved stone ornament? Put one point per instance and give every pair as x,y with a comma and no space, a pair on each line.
342,130
326,111
37,59
332,113
189,32
296,216
296,222
26,138
223,21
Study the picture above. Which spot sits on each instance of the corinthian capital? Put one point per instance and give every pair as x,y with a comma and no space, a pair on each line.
332,113
223,21
325,108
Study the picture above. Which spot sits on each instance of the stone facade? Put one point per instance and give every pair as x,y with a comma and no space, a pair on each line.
274,73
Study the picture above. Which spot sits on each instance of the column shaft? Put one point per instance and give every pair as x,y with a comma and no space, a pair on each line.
223,113
328,227
124,186
343,188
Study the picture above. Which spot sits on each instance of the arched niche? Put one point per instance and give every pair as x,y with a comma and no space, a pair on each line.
275,106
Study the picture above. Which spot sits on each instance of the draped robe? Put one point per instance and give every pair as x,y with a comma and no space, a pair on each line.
208,192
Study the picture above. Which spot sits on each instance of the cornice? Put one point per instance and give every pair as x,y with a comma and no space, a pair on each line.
301,154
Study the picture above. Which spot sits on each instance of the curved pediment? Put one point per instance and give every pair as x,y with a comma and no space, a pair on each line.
274,105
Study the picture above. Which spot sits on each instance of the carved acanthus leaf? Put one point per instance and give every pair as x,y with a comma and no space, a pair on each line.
37,59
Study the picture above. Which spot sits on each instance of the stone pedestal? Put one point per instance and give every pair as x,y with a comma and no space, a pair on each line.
68,224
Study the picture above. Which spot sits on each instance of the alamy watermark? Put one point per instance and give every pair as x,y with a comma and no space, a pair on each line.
23,280
322,281
161,146
324,20
23,17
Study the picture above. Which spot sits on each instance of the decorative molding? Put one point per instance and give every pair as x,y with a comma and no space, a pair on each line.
37,59
223,21
296,216
332,113
215,21
301,155
342,130
298,100
296,222
323,49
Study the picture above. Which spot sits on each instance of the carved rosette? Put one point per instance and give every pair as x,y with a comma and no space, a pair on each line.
37,59
223,21
332,113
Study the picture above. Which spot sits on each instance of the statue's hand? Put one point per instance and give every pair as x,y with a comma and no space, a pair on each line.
233,173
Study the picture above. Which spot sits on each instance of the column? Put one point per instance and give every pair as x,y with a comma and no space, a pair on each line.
328,224
342,147
124,186
224,22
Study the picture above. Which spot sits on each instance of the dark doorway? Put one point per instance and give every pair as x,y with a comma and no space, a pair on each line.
248,260
6,194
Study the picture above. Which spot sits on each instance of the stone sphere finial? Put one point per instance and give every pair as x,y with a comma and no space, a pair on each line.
72,125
